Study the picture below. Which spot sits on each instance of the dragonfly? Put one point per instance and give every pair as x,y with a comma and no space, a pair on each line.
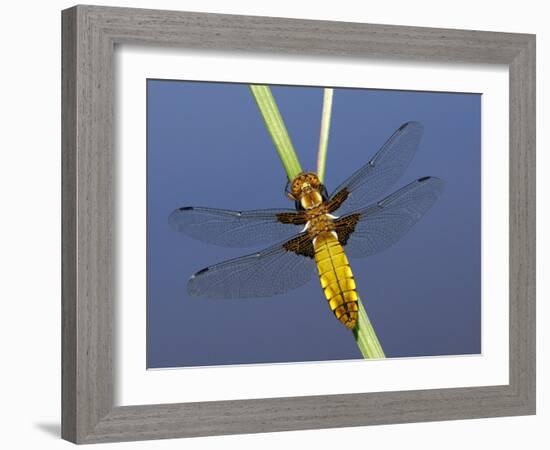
318,234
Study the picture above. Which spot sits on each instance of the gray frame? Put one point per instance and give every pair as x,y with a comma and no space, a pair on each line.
89,36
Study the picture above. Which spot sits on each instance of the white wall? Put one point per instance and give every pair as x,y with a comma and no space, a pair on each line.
30,222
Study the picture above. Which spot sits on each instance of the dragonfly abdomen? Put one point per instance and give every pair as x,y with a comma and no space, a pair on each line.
336,278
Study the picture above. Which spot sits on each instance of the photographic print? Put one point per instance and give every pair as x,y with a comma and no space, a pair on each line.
309,217
291,224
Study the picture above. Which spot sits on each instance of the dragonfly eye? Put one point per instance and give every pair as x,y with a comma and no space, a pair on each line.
288,191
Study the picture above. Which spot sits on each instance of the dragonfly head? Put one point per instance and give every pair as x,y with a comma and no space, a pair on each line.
306,189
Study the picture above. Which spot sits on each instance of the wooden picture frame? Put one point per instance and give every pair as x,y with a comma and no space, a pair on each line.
89,37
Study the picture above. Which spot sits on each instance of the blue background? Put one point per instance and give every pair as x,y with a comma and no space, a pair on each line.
207,146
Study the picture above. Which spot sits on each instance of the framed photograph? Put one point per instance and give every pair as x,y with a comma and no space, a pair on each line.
277,224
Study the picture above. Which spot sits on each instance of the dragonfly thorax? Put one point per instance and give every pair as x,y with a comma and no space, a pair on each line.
310,198
320,223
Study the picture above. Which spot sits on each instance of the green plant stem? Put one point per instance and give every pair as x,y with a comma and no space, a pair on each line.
364,333
325,130
365,336
276,127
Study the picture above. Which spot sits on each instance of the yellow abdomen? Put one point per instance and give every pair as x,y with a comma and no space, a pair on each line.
336,278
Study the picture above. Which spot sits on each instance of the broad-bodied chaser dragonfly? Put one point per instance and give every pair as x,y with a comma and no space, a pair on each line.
319,233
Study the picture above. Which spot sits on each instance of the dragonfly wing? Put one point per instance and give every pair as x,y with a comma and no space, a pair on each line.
376,177
273,271
236,228
379,226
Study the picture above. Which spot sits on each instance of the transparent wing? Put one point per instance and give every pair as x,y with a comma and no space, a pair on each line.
273,271
377,227
236,228
376,177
